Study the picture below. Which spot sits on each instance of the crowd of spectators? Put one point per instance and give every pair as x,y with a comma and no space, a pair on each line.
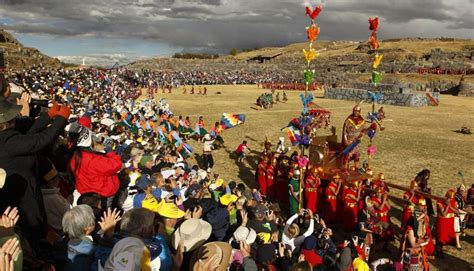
93,178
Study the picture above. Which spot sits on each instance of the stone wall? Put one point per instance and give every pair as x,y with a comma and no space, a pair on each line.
402,97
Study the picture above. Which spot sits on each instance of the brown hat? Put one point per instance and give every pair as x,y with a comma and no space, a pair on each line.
8,110
217,252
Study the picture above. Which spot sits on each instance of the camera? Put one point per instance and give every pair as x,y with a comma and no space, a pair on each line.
37,102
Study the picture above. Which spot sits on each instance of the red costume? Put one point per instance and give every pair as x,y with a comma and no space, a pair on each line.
445,234
270,177
311,192
262,177
350,209
408,208
331,209
382,215
380,182
430,247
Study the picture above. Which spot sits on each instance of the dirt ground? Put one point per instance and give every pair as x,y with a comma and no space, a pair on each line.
415,138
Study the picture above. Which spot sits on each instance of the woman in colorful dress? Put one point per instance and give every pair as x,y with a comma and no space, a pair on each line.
412,246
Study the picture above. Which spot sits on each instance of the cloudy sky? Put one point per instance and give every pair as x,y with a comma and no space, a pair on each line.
125,30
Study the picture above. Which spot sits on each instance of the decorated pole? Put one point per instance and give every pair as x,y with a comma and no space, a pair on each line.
312,33
376,77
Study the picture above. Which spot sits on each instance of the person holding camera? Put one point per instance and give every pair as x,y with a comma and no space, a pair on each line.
19,159
292,235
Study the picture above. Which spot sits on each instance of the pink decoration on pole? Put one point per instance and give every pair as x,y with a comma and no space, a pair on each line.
372,149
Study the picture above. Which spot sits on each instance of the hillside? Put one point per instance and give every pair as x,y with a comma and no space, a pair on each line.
18,56
341,61
407,47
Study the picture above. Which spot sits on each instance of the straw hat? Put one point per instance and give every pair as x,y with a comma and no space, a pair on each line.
215,250
244,234
194,232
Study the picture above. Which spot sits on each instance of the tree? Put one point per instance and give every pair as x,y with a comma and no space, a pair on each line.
233,51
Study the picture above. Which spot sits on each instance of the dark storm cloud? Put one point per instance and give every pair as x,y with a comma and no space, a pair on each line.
218,25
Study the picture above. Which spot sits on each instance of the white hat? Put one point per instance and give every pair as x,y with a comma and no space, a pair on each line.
194,232
202,174
84,135
107,122
213,186
179,164
149,113
244,234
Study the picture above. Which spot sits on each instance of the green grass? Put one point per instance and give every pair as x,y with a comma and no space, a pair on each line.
415,138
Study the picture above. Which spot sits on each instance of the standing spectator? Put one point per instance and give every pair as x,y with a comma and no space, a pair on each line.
291,234
207,152
18,159
93,171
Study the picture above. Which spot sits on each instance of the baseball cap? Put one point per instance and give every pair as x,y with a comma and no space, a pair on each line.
143,182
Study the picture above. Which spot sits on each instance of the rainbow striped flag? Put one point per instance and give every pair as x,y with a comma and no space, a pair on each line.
293,135
231,120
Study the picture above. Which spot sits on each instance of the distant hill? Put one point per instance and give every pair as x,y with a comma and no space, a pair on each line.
342,61
405,47
17,56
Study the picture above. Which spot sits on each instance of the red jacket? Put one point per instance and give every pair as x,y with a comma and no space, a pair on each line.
97,173
312,257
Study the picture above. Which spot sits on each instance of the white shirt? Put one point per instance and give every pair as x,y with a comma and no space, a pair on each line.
207,146
295,243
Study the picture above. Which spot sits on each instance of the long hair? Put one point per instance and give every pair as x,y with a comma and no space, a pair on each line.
423,175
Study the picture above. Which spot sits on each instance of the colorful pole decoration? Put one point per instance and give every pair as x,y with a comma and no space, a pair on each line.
375,96
312,33
374,45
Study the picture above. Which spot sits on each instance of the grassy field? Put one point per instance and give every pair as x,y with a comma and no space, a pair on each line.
414,139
